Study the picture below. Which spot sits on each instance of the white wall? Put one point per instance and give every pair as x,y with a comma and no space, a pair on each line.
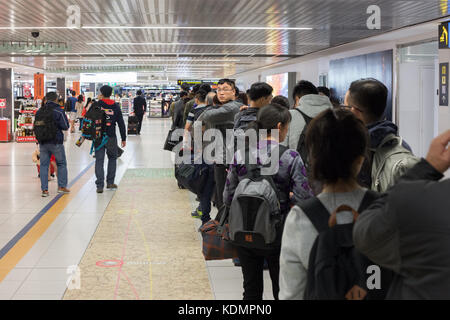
309,67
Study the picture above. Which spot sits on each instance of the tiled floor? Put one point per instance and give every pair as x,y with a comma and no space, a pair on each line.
42,272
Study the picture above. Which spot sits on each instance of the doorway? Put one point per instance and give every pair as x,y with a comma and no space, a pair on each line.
417,95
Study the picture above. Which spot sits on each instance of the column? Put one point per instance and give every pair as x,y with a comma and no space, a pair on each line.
61,87
6,103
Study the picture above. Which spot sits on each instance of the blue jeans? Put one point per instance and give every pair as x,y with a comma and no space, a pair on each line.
112,151
46,151
206,196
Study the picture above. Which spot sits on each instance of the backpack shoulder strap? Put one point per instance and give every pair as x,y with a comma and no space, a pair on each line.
369,197
283,149
390,137
302,139
307,118
316,213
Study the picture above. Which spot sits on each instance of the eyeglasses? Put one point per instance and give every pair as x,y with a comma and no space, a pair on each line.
351,107
224,90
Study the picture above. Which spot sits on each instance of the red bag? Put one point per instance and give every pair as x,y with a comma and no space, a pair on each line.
216,245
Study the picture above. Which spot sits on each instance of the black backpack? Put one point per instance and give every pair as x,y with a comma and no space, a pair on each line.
45,128
335,266
93,128
304,154
93,123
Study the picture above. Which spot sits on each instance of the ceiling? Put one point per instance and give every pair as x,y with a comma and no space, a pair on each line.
192,38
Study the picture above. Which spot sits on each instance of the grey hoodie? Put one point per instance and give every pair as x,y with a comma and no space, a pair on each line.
311,105
222,118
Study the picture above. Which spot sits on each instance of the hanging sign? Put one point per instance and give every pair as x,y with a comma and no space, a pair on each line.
443,36
39,86
76,87
443,84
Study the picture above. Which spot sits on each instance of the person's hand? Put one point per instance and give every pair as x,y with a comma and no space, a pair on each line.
244,108
124,144
439,153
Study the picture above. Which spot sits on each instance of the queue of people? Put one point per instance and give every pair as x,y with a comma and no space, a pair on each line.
353,198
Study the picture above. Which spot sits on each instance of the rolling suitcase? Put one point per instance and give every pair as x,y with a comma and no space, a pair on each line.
133,123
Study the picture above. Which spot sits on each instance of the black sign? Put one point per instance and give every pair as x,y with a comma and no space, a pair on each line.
443,36
443,84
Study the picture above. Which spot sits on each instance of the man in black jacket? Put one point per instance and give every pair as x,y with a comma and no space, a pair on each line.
113,115
55,147
140,107
408,229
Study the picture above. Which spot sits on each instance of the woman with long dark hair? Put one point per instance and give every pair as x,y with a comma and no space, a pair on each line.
337,142
79,107
290,178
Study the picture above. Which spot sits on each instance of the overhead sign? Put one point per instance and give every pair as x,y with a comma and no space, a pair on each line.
443,84
443,36
39,86
189,82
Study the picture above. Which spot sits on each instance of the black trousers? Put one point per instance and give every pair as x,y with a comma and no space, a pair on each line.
220,176
140,118
252,262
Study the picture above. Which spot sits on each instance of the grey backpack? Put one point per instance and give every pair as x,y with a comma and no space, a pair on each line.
390,161
255,213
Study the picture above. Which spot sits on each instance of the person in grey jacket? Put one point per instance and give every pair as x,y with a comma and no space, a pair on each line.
222,118
408,229
308,101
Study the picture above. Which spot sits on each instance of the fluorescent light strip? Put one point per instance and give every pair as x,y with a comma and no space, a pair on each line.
143,60
150,54
218,66
182,44
35,28
161,28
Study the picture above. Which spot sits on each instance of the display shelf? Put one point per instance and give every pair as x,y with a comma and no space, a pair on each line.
25,120
126,105
155,109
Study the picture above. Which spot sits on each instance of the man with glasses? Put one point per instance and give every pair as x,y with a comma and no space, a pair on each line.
367,99
222,118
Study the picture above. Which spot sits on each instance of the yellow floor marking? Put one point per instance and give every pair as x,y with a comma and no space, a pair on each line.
21,248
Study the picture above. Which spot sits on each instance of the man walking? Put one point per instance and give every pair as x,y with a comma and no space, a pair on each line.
140,107
113,115
73,111
53,125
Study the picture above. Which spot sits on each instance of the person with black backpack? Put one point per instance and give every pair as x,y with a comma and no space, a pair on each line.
259,201
308,104
113,115
49,124
318,258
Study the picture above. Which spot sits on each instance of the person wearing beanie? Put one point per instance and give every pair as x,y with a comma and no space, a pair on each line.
113,115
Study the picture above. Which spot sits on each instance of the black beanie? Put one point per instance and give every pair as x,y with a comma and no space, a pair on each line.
106,91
